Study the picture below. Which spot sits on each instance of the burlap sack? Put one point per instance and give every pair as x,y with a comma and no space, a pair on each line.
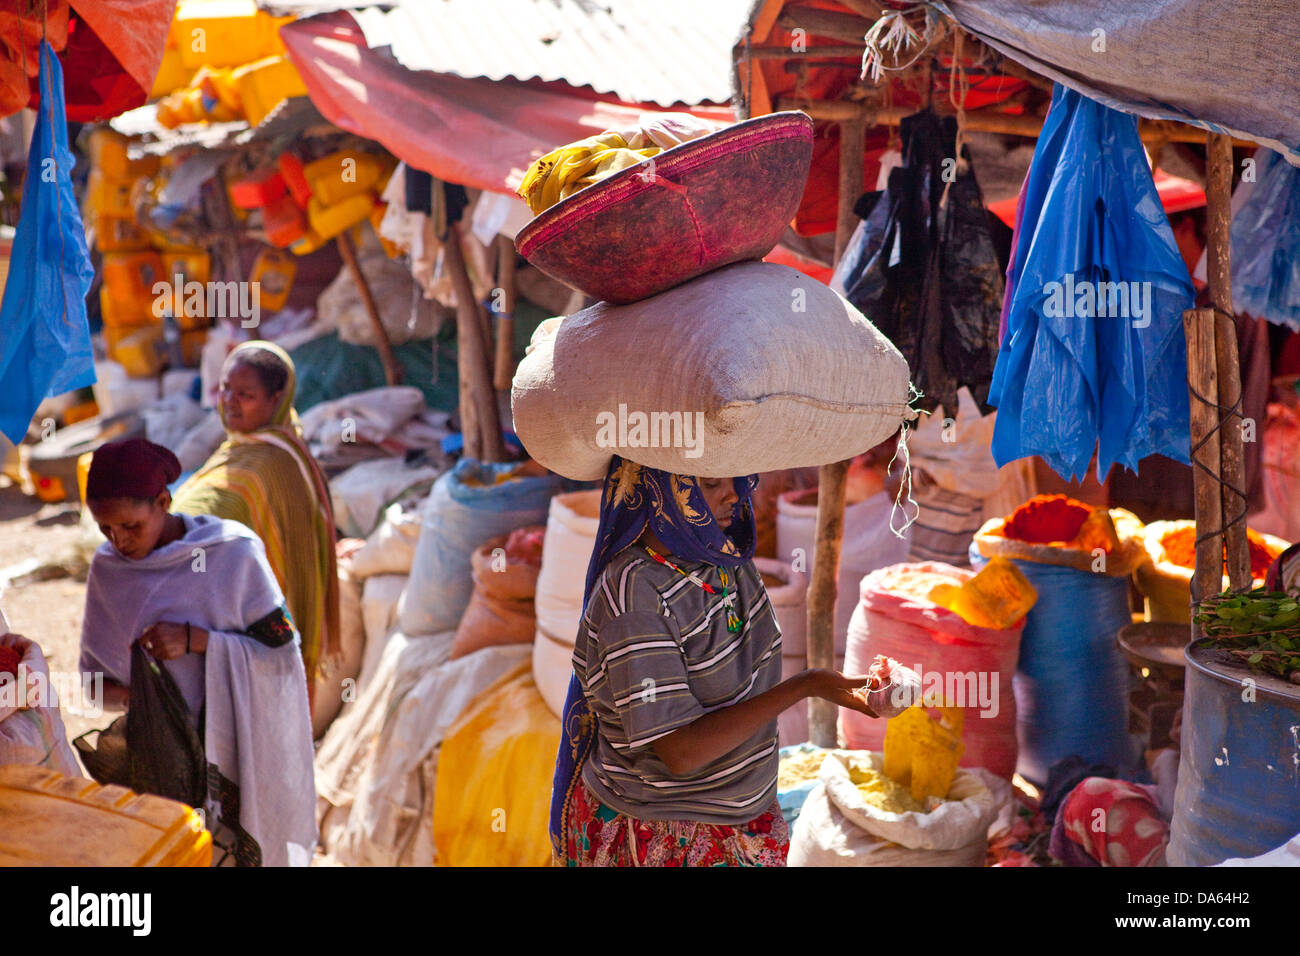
500,610
754,367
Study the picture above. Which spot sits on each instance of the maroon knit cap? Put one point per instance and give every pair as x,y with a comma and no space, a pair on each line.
134,468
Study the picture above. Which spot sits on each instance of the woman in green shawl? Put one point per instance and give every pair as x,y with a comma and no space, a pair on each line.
264,476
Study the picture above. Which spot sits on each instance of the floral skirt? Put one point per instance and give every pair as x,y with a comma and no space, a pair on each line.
598,835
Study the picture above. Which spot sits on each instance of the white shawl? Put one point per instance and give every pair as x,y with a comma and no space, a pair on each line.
257,728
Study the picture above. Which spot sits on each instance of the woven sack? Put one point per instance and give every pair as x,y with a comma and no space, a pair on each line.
752,368
500,610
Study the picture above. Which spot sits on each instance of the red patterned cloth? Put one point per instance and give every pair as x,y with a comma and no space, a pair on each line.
598,835
1114,822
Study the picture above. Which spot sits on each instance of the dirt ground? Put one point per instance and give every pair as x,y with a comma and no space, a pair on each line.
47,611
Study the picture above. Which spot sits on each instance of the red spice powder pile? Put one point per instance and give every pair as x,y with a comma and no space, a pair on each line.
1047,518
1180,549
9,660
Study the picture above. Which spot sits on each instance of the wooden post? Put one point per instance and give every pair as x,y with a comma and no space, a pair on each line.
853,132
823,592
479,421
1218,194
505,364
1203,379
983,120
392,370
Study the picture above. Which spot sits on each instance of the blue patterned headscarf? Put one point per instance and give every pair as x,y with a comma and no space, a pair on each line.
674,508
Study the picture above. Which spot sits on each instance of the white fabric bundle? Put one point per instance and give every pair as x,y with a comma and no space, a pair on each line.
33,735
378,761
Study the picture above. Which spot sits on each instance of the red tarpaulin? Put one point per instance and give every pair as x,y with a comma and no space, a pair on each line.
1176,195
110,51
481,133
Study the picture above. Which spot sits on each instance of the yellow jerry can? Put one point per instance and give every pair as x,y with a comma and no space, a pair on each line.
47,819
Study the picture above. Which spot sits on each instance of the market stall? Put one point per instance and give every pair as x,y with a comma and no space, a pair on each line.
986,66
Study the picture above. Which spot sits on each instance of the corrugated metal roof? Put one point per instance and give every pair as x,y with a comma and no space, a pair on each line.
666,52
289,118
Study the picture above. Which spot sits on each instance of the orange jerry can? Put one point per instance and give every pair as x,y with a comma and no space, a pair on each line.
47,819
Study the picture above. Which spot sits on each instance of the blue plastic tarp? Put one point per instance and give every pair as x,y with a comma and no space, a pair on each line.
1266,243
1094,355
44,338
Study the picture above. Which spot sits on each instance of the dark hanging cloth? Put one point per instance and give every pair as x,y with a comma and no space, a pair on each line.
419,190
924,268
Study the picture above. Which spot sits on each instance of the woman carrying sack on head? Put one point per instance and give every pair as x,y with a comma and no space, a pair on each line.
196,594
668,755
264,477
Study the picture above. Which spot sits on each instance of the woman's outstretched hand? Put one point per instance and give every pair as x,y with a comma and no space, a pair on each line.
838,689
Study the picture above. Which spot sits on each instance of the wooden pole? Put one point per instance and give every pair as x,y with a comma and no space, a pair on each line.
853,133
984,121
1218,194
392,370
479,421
823,592
505,364
787,52
1203,379
826,23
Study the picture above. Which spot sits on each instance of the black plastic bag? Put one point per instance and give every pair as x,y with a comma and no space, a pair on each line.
106,759
164,750
929,278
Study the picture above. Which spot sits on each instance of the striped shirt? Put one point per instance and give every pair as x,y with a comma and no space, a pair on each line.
653,655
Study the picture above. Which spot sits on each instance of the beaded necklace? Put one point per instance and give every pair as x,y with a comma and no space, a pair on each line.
728,597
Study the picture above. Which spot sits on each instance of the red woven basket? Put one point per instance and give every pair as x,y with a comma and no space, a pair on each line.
716,200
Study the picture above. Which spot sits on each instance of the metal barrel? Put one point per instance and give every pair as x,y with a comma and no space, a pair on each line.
1239,774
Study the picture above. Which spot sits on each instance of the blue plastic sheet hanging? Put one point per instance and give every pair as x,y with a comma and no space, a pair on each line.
44,338
1266,243
1094,357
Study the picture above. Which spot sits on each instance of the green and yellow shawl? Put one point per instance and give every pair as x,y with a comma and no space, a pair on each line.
267,480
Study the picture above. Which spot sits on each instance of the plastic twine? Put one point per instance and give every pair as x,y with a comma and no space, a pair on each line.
904,495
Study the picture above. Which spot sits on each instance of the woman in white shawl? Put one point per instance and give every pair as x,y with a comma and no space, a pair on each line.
199,596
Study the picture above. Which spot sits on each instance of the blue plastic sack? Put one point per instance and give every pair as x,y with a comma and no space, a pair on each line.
791,799
1094,355
44,338
466,507
1072,682
1266,243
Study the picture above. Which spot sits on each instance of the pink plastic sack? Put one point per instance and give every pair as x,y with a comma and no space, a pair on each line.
970,666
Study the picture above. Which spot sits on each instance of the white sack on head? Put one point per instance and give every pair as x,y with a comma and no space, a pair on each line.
754,367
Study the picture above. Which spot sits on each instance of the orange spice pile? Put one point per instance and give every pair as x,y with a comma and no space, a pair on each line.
1180,549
